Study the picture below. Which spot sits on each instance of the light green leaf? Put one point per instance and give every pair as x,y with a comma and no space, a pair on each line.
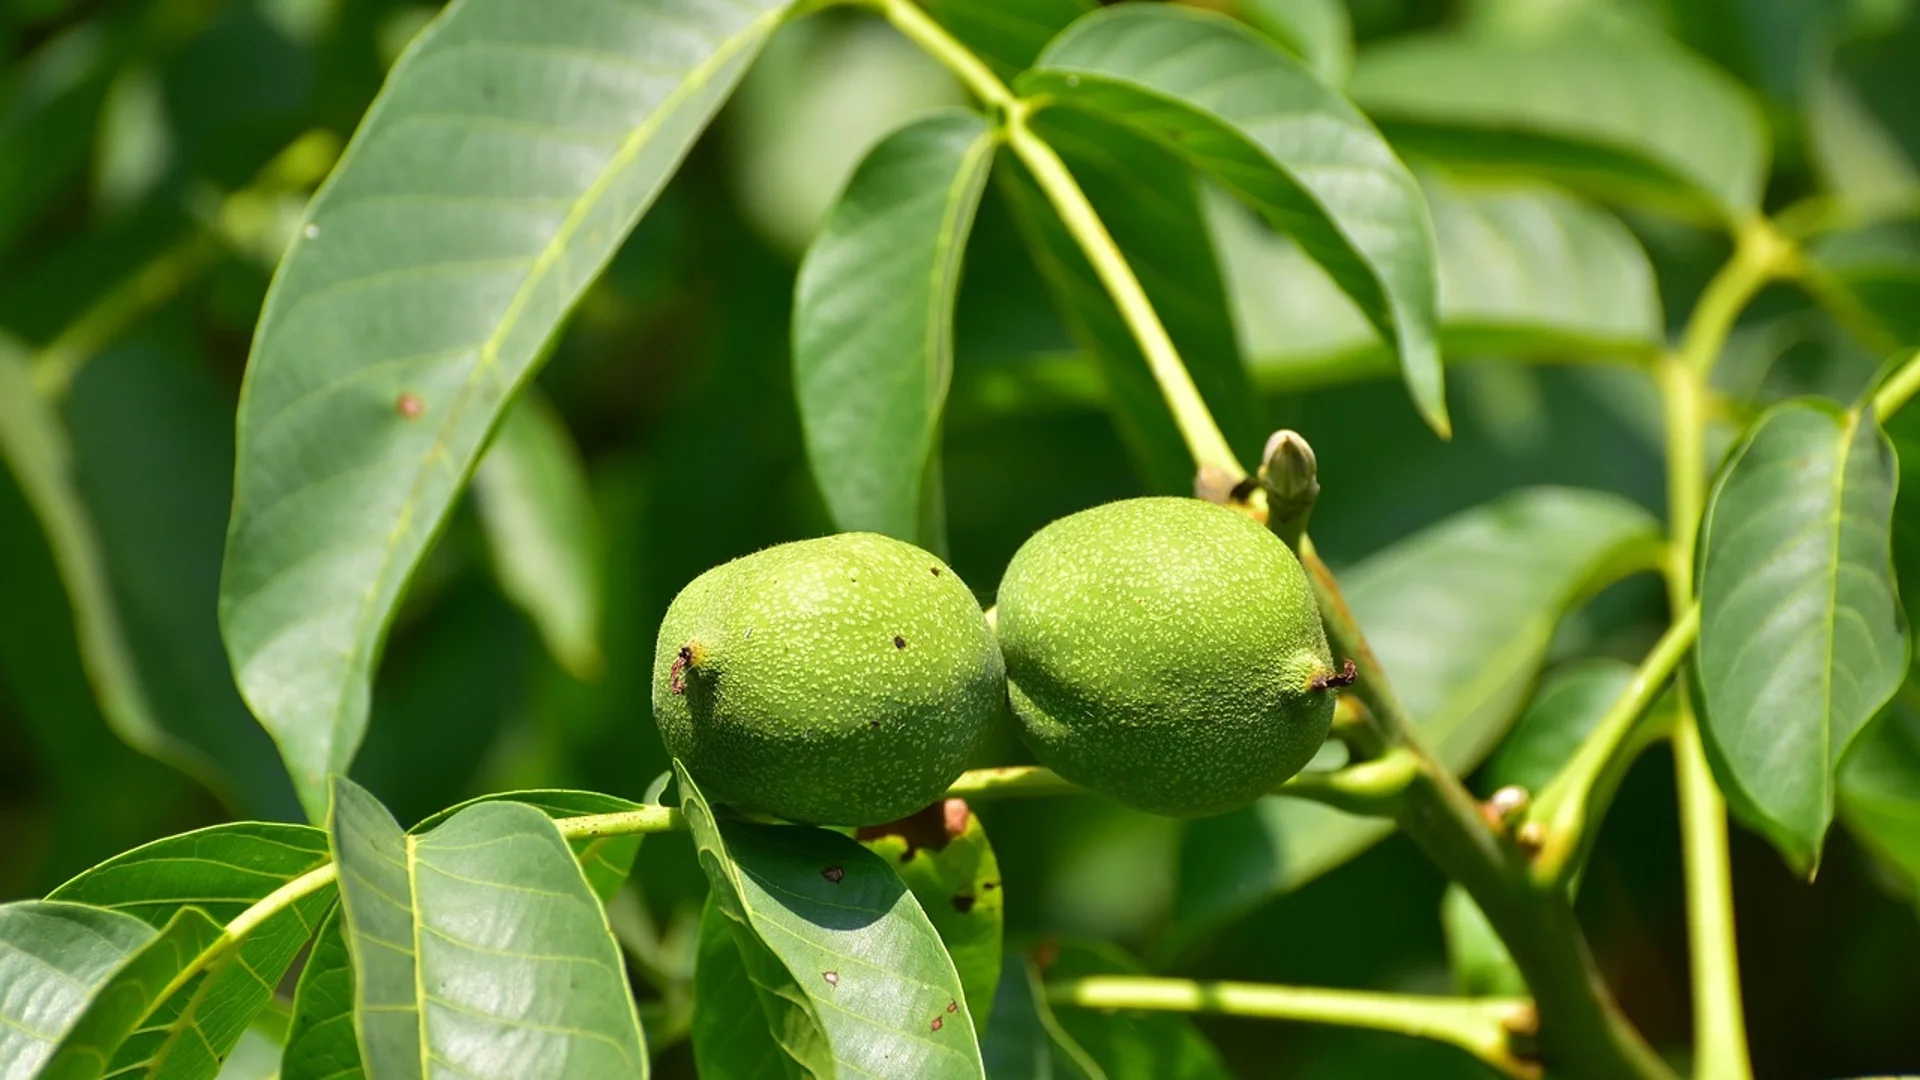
1234,106
222,870
1854,155
508,155
478,946
129,996
849,972
873,325
730,1033
1627,116
1524,272
1150,204
1482,966
36,449
1880,791
943,856
542,531
1319,32
1501,576
54,959
1802,639
605,860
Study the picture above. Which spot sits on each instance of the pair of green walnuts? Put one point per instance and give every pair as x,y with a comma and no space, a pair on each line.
1166,652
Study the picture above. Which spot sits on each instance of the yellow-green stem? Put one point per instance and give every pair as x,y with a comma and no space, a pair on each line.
1720,1043
1483,1027
1568,808
920,28
1899,388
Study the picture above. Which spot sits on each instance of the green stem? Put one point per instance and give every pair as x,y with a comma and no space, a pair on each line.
1719,1026
1582,1032
1011,781
1484,1028
921,29
1898,389
1376,788
1204,441
635,822
1570,808
1759,254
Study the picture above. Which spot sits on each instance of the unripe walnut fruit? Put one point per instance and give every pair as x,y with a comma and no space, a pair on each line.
1166,652
843,680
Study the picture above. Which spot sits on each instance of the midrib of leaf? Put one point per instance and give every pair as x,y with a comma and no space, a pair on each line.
419,965
549,256
1847,429
968,180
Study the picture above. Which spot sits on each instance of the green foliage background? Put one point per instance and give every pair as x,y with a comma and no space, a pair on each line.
126,126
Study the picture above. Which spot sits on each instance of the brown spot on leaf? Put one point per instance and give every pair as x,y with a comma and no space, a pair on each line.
963,902
952,1005
832,977
834,874
937,1022
409,406
989,886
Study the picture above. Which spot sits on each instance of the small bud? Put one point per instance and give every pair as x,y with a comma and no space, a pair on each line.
1508,803
1288,469
1531,837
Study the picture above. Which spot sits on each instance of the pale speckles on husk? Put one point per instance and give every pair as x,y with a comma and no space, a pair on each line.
805,705
1160,651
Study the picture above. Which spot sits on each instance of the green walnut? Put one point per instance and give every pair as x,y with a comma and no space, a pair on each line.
843,680
1166,652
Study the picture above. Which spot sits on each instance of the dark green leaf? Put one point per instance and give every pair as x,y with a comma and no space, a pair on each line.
1878,267
1129,1045
846,966
873,325
321,1044
1500,576
1149,202
1016,1045
36,449
48,106
1234,106
1482,967
731,1036
1802,639
510,152
55,958
1625,115
223,870
129,996
1316,31
1567,706
543,533
1880,790
1524,272
952,872
439,924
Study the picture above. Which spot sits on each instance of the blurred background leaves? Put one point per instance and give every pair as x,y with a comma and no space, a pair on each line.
126,128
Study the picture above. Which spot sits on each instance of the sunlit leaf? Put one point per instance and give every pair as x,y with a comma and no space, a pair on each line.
1236,107
1317,31
1501,576
847,969
57,958
135,990
873,325
1802,638
222,870
508,155
1524,272
438,924
543,533
1625,115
